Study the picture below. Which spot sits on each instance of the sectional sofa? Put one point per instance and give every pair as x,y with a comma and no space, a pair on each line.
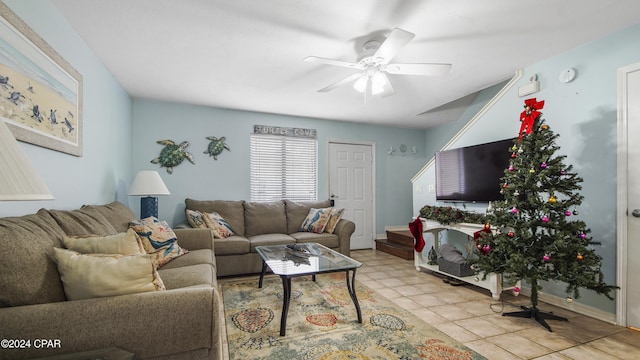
180,322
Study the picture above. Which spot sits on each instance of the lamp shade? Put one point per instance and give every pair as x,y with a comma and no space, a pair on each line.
148,183
18,178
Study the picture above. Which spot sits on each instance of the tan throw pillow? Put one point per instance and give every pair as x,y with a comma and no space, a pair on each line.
126,243
158,239
221,228
334,217
195,219
86,276
316,220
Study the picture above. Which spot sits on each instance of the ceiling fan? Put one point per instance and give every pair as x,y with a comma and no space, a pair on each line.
374,63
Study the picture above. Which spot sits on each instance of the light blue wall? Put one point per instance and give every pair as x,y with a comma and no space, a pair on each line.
228,177
101,175
584,114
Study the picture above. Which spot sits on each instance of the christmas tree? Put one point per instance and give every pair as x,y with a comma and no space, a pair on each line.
535,235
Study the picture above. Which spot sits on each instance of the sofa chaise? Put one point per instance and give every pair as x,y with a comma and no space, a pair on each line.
180,322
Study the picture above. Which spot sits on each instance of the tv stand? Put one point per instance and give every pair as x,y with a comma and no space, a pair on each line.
493,282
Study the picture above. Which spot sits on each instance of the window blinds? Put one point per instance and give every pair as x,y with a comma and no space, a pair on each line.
283,168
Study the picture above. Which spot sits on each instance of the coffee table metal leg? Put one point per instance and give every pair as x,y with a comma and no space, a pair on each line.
264,269
286,299
351,286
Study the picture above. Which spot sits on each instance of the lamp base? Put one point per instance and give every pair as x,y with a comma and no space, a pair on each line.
148,207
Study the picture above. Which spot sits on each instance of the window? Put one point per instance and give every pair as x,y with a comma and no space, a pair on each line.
283,168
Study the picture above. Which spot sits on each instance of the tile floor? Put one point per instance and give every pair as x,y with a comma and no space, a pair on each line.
470,315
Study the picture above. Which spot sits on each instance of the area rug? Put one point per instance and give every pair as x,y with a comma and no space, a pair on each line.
322,324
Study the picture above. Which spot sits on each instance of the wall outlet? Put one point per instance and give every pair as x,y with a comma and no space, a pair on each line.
432,188
418,189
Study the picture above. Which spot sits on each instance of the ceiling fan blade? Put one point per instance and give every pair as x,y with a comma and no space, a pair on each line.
334,62
341,82
390,47
418,69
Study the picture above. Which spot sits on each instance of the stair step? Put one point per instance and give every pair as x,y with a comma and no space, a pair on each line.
399,250
402,237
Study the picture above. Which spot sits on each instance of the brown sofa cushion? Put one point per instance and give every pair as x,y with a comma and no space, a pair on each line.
82,222
231,211
29,274
264,218
298,211
117,214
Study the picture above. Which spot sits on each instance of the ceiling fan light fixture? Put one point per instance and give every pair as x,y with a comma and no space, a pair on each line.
361,84
377,83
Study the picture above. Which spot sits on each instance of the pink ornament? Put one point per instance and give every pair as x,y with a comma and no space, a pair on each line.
486,248
583,235
543,165
567,213
516,289
546,258
511,168
514,210
545,219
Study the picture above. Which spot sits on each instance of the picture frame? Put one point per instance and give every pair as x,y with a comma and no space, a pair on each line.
40,92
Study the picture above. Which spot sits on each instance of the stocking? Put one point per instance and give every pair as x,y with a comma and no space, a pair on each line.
416,230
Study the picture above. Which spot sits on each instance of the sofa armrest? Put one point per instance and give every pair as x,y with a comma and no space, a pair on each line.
147,324
344,229
195,239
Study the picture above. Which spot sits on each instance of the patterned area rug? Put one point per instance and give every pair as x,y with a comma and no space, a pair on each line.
322,324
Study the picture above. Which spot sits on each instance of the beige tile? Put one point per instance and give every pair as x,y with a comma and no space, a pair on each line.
457,332
379,275
616,348
490,351
408,290
552,340
481,327
429,316
521,346
427,300
388,293
553,356
451,312
406,303
392,282
583,352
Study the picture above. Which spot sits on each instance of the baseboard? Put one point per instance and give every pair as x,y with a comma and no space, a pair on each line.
573,306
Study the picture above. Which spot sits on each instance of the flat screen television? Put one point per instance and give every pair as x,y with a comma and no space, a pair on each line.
472,173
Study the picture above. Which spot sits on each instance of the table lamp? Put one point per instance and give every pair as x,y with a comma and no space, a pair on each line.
19,180
148,184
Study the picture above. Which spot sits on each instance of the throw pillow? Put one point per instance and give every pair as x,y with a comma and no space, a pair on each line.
158,239
221,228
86,276
316,220
126,243
195,219
334,217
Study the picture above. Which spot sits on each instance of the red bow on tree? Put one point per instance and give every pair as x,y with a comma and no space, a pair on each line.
529,115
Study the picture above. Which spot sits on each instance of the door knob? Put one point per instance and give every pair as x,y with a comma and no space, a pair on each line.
636,213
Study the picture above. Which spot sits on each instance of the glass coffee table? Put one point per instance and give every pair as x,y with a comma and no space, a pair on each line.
289,261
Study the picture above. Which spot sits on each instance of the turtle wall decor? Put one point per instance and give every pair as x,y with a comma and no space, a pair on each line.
216,146
172,154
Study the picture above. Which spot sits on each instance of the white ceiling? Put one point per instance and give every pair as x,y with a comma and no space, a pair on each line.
248,54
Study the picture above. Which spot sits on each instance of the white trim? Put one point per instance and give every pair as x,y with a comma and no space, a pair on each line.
474,119
622,191
373,177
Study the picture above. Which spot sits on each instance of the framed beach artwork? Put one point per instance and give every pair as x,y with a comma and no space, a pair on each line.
40,92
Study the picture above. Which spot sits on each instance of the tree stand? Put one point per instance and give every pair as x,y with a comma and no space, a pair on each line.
539,316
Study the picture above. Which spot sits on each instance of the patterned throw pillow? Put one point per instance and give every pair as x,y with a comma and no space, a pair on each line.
158,239
336,215
316,220
221,228
195,219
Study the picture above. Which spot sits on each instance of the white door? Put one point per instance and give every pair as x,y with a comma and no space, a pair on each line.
629,190
351,187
